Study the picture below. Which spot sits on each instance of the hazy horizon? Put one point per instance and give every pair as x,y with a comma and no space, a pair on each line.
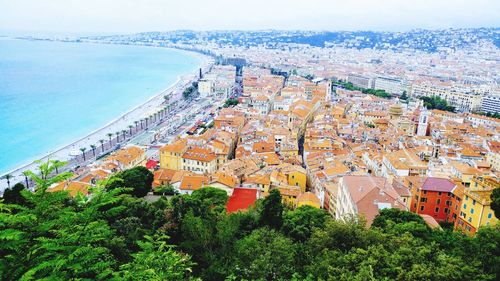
128,16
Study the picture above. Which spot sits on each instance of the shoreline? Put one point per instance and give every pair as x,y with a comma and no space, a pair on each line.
120,122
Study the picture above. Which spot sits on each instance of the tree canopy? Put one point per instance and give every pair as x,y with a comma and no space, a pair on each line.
138,179
436,102
112,235
495,202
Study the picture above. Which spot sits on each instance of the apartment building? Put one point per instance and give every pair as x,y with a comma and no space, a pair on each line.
491,103
390,85
462,99
360,81
365,196
199,160
476,210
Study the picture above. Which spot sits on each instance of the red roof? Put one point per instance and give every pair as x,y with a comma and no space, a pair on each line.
241,199
151,164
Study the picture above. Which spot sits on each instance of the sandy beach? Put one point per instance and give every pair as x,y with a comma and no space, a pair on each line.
149,107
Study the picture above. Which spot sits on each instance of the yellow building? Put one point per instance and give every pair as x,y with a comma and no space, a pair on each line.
464,172
171,155
128,157
308,199
261,182
289,194
475,209
296,176
199,160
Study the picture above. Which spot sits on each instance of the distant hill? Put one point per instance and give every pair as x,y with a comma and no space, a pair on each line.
419,39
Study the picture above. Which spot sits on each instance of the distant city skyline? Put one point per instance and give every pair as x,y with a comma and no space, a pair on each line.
127,16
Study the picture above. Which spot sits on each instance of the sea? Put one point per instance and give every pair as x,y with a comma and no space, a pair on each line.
54,93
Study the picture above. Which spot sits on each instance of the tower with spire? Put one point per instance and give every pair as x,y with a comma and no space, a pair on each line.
423,122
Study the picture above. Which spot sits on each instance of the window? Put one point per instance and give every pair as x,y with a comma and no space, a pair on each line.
424,200
437,210
439,193
438,201
421,208
466,197
446,211
465,206
425,191
473,202
415,205
472,211
489,215
470,219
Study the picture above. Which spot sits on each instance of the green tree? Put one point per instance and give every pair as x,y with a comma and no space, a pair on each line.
14,195
396,216
488,250
43,179
139,179
495,202
265,255
7,177
436,102
271,213
56,237
156,261
298,224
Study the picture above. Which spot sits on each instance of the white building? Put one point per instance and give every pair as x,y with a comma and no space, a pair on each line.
491,103
390,85
360,81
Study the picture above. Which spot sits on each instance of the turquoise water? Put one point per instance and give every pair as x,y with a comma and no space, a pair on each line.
53,93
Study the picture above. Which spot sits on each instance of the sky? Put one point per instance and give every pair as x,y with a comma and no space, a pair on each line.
128,16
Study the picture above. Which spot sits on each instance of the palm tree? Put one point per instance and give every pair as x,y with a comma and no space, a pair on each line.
146,119
123,133
82,149
102,145
136,122
109,136
141,123
130,129
7,177
117,137
56,165
26,174
93,149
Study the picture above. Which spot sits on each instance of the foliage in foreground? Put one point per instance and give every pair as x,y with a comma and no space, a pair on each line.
114,235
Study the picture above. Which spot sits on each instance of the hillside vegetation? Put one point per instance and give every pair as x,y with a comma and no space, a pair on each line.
115,235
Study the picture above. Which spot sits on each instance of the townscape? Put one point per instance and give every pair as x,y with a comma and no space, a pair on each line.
341,127
298,118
